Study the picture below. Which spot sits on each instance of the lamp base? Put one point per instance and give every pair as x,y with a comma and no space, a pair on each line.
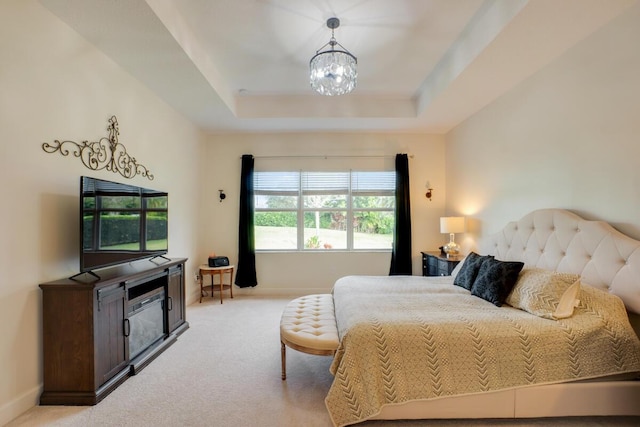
451,249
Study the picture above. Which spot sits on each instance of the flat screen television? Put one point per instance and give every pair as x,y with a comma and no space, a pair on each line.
120,223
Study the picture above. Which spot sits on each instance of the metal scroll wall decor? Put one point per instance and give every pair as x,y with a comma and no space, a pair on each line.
106,153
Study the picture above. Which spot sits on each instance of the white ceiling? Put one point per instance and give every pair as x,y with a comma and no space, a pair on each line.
423,65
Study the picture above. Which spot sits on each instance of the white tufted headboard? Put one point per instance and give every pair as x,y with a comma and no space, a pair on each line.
556,239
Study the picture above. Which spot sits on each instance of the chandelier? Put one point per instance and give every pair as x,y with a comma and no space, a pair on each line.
333,71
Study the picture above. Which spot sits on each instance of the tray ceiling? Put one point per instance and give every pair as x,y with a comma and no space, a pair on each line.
242,65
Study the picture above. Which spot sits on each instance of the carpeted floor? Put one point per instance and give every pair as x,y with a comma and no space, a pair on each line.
225,371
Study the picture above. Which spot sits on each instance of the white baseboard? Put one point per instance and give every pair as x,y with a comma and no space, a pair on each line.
20,405
277,292
258,291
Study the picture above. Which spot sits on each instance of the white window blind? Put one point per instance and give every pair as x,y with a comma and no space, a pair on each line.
373,182
276,183
325,183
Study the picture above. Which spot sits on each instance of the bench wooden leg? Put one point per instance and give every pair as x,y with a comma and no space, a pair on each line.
283,357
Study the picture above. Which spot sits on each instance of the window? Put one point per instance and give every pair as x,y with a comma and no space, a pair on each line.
298,211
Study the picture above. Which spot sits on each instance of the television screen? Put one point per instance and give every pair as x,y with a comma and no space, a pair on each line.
120,223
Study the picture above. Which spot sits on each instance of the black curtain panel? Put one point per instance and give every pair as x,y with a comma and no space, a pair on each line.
246,274
401,251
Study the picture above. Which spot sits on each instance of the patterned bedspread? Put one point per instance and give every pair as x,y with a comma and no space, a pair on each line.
405,338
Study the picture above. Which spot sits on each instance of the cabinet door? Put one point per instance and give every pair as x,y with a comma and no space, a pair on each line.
443,268
432,266
112,352
446,267
175,298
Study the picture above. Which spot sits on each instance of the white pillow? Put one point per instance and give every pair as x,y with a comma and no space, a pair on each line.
457,268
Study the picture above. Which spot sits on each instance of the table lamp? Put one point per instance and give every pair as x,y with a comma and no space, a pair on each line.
452,225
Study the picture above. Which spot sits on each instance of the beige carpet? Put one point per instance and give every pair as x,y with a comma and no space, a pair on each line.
225,371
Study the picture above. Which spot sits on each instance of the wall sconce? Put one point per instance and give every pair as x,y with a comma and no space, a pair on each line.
428,194
222,195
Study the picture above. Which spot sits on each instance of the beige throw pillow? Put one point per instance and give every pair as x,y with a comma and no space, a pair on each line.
540,292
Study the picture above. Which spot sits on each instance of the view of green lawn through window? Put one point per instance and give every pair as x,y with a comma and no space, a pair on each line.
324,210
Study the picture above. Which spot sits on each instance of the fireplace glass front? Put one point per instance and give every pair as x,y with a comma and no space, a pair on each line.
146,320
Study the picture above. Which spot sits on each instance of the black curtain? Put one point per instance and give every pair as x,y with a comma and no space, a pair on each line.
401,251
246,274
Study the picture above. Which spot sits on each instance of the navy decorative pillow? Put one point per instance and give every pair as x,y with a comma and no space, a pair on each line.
470,267
496,279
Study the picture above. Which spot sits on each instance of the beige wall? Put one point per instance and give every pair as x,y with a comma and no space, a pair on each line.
299,273
568,137
54,85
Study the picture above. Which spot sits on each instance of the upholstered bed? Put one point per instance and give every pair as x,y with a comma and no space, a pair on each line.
557,342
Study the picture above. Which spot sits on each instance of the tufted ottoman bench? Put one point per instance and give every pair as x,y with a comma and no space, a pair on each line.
308,324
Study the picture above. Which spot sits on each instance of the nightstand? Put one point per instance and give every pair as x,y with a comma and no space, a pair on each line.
436,264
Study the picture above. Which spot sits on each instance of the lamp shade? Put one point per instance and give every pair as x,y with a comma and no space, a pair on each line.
452,224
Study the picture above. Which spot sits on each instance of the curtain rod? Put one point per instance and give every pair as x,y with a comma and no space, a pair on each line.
390,156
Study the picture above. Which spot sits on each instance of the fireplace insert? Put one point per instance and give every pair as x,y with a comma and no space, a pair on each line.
146,320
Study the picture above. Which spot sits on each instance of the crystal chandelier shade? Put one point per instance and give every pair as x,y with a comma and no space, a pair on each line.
333,72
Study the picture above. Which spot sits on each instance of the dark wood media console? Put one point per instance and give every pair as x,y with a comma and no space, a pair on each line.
96,333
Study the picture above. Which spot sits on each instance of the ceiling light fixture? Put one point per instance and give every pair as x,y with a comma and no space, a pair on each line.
333,71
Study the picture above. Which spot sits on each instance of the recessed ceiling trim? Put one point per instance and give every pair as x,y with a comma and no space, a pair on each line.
519,47
302,106
174,22
483,28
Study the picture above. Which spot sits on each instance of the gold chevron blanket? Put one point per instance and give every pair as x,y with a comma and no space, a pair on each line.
405,338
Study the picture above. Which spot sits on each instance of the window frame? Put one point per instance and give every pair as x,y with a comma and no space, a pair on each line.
349,208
